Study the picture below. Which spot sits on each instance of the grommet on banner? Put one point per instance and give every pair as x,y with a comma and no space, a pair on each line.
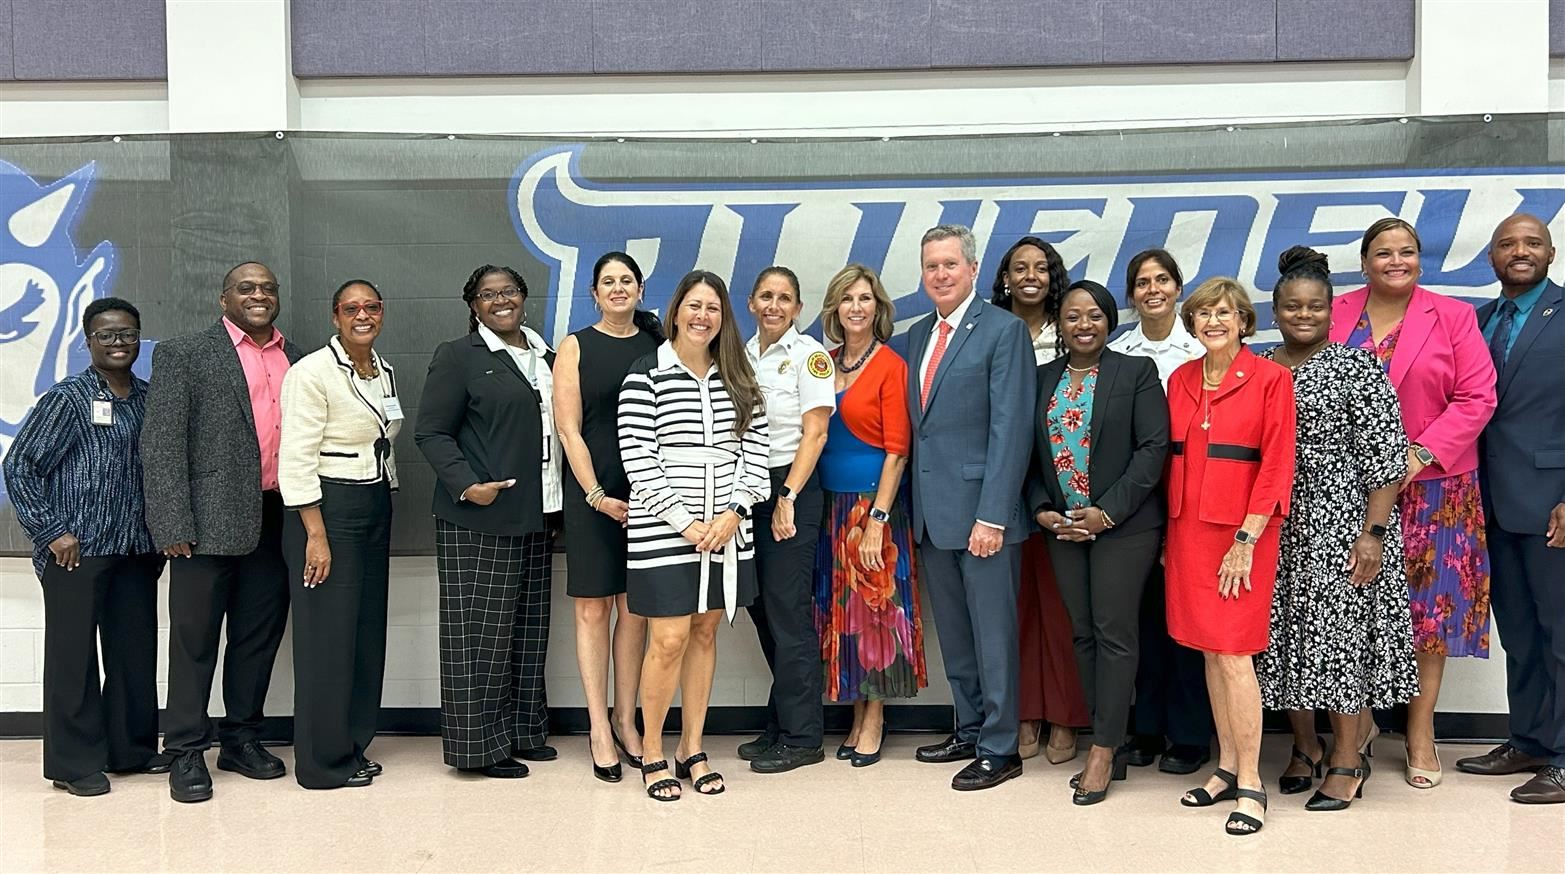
117,139
754,141
451,136
1487,118
279,134
1401,121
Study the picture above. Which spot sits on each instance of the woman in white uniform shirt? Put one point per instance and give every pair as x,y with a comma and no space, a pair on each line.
797,378
1171,713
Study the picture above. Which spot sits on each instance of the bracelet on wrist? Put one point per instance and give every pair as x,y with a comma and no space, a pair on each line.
1108,521
595,497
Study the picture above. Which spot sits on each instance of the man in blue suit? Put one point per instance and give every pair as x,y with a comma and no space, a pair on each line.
970,395
1523,471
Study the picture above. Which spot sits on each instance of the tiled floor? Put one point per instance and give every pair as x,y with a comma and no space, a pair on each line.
898,816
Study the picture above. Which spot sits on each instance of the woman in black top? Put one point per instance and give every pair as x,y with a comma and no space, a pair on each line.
485,423
592,364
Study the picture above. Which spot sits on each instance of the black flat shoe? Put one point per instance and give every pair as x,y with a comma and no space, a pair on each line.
624,752
1199,797
1321,801
158,764
249,759
751,750
952,749
359,780
682,771
539,753
371,767
1241,824
1293,785
505,769
608,774
1143,751
987,772
786,757
188,780
85,787
667,784
1184,759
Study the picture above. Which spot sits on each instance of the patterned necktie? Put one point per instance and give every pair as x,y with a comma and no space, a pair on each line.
1502,334
934,363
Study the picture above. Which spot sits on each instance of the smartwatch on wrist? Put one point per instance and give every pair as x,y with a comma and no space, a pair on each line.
1377,531
1245,537
786,494
1424,456
739,509
879,515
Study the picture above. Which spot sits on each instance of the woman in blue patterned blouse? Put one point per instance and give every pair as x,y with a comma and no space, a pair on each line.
74,475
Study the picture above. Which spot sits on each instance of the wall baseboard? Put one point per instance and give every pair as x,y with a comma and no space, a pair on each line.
902,719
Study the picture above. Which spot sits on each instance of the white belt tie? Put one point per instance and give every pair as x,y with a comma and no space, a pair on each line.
710,460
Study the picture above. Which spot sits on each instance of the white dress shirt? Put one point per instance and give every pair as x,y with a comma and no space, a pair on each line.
795,375
531,363
1168,353
1043,348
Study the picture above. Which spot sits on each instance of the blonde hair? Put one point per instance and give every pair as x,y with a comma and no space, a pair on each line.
1219,289
837,289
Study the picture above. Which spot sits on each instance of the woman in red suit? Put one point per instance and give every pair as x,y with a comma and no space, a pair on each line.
1230,477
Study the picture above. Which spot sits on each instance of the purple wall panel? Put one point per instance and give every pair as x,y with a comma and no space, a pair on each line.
1557,28
837,35
1189,31
88,39
6,71
676,36
467,37
1016,33
1344,30
358,37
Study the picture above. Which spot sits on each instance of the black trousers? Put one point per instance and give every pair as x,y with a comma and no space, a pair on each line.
251,591
784,614
339,634
1527,593
1170,679
88,728
1101,582
494,641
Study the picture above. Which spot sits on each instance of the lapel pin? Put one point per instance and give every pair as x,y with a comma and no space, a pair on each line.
1548,312
969,326
1240,374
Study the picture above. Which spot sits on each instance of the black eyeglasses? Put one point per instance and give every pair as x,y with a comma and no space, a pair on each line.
492,295
247,288
351,309
127,337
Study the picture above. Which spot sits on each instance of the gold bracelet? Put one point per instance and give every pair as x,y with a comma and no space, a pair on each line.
1108,521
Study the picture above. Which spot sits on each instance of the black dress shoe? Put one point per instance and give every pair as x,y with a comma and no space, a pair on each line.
1502,760
987,772
540,753
844,752
370,767
158,764
188,780
362,778
86,787
752,750
608,773
952,749
505,769
251,760
786,757
1143,750
1184,759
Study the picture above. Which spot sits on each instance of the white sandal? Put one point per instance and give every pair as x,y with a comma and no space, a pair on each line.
1430,779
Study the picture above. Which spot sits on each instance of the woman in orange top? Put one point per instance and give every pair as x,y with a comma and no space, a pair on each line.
1230,477
866,601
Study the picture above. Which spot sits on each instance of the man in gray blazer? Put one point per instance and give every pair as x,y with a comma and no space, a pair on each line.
970,395
209,453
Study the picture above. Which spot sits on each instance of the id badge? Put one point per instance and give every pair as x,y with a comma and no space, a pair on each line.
548,439
102,412
392,407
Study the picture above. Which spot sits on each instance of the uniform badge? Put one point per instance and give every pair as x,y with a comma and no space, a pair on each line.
819,365
783,367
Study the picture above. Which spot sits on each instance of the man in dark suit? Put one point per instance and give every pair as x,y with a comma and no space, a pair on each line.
209,450
970,395
1523,482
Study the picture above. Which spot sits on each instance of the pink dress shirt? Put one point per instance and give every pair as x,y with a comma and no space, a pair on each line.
1442,371
264,368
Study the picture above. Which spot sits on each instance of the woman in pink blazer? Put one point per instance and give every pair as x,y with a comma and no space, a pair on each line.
1436,357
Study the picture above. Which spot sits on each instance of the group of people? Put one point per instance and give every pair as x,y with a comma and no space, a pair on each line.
1154,536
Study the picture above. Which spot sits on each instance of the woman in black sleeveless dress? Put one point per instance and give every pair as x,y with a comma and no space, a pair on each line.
589,369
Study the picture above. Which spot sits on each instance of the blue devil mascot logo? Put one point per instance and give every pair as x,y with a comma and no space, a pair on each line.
45,285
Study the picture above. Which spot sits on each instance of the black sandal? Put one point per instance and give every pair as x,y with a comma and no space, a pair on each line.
1237,821
651,768
1293,784
1199,797
682,771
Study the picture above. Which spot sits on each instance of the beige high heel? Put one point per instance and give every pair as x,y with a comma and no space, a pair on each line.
1431,778
1029,749
1060,755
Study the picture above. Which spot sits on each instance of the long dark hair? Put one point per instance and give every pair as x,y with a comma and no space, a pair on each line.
733,364
470,291
1058,278
645,320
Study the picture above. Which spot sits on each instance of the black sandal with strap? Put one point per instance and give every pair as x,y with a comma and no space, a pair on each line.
651,768
1240,824
1203,798
1292,784
1321,801
682,770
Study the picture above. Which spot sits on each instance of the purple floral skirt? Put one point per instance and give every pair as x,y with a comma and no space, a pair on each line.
1447,565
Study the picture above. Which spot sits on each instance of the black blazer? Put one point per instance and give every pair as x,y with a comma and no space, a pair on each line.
480,420
201,461
1129,432
1522,463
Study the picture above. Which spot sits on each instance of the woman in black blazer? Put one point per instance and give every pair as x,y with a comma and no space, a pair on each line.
485,425
1101,440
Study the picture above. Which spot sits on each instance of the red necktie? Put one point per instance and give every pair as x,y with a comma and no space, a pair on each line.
934,363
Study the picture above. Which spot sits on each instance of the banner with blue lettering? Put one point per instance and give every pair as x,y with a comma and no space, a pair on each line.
158,220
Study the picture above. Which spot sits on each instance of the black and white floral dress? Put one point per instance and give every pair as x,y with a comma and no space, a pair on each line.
1336,646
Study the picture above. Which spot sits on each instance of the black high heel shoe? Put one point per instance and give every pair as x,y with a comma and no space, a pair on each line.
1122,757
1241,824
1321,801
609,773
1292,785
1119,770
864,760
633,761
845,752
1199,797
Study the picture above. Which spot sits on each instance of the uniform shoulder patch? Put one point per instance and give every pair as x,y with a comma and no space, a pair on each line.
819,365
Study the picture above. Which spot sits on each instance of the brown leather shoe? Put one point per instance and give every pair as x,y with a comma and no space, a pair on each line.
1502,760
1548,787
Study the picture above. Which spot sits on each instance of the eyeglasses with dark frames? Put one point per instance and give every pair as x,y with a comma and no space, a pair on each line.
126,337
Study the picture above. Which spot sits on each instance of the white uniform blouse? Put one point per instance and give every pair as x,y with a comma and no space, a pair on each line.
795,375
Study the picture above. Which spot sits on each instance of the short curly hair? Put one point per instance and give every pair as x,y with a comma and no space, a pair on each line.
1214,291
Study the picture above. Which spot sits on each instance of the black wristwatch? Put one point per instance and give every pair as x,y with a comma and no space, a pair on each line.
739,509
786,494
1243,536
1377,531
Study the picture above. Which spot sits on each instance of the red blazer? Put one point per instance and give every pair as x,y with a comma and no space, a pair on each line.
1249,460
1443,374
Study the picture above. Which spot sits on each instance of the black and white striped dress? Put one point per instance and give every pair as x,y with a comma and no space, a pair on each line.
685,464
